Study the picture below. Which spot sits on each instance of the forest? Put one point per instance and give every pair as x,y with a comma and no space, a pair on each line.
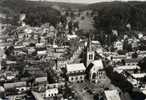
116,15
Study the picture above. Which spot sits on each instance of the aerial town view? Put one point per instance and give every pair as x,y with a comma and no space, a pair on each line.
72,50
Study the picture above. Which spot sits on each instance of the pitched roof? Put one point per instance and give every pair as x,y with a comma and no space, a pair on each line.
41,79
139,75
97,64
14,85
75,67
133,60
112,95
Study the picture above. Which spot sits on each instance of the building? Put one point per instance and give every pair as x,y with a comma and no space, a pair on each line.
51,92
41,80
111,95
118,45
95,71
42,53
15,88
2,92
75,72
90,54
132,62
129,68
139,76
117,58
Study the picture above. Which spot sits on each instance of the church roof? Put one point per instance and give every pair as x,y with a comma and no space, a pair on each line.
75,67
97,64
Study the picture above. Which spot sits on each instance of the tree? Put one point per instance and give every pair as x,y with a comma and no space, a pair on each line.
142,64
134,55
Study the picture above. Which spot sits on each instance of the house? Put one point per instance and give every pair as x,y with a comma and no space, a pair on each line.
2,92
117,58
112,95
11,88
118,45
69,37
31,50
40,45
51,92
41,80
135,43
133,61
55,85
129,68
139,76
42,53
96,44
14,85
40,84
52,28
75,72
10,76
142,54
95,71
144,37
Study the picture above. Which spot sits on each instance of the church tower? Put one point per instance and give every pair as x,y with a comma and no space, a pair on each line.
90,54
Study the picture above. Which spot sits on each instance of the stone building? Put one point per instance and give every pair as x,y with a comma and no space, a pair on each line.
75,72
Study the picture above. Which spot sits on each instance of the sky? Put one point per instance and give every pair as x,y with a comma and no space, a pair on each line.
86,1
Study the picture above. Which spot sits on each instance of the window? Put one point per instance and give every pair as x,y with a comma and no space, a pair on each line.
90,56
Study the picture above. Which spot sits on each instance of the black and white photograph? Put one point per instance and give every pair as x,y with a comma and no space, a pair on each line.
72,49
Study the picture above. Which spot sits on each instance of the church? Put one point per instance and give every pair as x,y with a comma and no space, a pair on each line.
94,68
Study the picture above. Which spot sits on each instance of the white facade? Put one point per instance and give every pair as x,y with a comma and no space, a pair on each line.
129,68
51,92
118,45
96,72
76,72
90,57
76,78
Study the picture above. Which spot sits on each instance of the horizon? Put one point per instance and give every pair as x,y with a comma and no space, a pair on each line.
85,1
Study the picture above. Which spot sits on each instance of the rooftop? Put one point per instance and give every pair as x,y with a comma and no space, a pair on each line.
127,67
132,60
14,85
139,75
98,63
75,67
41,79
112,95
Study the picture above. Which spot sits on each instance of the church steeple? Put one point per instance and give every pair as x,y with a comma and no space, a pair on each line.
89,48
89,53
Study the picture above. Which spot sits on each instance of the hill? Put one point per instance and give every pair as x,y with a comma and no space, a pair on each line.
115,15
36,13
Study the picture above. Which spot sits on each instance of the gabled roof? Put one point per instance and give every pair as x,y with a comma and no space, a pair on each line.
97,64
75,67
